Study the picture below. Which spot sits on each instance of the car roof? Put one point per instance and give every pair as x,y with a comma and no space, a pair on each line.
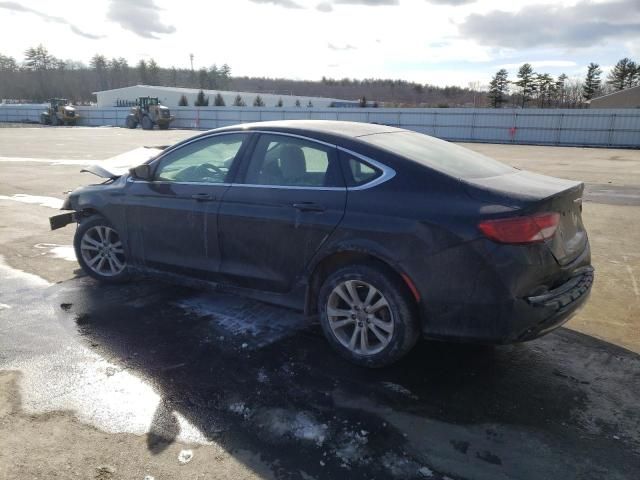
327,127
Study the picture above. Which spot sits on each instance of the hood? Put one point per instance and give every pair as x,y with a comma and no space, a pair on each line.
117,166
69,109
162,107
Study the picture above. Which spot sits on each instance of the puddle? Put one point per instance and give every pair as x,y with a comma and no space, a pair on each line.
62,374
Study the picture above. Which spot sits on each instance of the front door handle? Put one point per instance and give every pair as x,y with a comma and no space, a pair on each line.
308,207
202,197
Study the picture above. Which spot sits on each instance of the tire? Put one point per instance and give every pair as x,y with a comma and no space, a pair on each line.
97,238
131,122
71,123
53,119
44,120
396,320
147,124
163,126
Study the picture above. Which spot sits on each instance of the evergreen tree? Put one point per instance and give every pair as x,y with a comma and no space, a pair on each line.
218,101
173,76
201,100
623,74
591,85
203,78
498,88
258,102
8,64
280,103
561,89
143,74
183,101
545,87
99,65
298,103
309,105
526,82
39,59
362,102
153,71
238,102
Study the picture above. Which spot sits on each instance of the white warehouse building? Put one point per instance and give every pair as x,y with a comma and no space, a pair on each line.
170,96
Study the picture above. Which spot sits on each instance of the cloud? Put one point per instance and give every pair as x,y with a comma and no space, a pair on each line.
138,16
16,7
280,3
540,64
338,48
453,3
371,3
324,7
581,25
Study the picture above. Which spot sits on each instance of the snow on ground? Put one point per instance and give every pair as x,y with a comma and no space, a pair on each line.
50,202
257,324
287,423
394,387
63,252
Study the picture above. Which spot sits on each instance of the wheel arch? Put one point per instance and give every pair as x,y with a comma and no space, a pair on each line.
349,255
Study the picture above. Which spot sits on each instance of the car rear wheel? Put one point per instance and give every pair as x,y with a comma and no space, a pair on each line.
131,122
100,251
367,315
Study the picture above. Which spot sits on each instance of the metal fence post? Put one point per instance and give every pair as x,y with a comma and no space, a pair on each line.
559,127
611,124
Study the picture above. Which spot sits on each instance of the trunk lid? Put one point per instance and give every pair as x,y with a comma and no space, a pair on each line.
533,193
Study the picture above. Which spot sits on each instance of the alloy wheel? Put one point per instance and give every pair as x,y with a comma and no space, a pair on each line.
102,251
360,317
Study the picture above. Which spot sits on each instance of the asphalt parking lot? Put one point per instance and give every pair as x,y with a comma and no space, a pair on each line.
150,379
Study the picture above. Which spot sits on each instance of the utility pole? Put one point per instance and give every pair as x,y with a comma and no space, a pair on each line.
191,58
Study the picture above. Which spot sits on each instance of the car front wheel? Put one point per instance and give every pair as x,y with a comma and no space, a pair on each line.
100,251
367,315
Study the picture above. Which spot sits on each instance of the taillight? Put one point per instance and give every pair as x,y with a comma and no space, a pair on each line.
521,230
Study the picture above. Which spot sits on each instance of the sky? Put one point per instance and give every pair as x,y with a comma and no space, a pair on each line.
438,42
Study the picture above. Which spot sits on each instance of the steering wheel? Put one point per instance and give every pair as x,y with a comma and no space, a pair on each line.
206,169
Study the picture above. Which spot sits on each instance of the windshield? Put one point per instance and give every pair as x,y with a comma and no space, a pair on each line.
443,156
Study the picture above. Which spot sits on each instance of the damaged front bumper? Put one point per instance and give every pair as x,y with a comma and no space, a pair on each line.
62,220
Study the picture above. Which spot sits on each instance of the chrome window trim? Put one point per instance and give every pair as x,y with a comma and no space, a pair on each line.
387,172
289,187
173,148
167,182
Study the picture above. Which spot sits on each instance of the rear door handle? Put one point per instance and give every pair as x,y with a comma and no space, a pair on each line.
308,207
202,197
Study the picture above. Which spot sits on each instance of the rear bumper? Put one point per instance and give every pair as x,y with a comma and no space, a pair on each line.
516,320
558,305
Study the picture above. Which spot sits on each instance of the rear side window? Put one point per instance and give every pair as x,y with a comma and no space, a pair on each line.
443,156
360,172
280,160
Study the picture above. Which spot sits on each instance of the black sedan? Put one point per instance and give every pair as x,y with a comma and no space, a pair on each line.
386,234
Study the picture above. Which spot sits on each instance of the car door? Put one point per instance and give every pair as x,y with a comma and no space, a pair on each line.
289,198
172,219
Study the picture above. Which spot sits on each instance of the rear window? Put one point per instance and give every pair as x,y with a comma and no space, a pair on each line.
443,156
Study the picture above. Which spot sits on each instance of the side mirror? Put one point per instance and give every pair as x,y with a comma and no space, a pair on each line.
142,172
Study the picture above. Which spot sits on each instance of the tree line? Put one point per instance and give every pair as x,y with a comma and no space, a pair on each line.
542,90
40,75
